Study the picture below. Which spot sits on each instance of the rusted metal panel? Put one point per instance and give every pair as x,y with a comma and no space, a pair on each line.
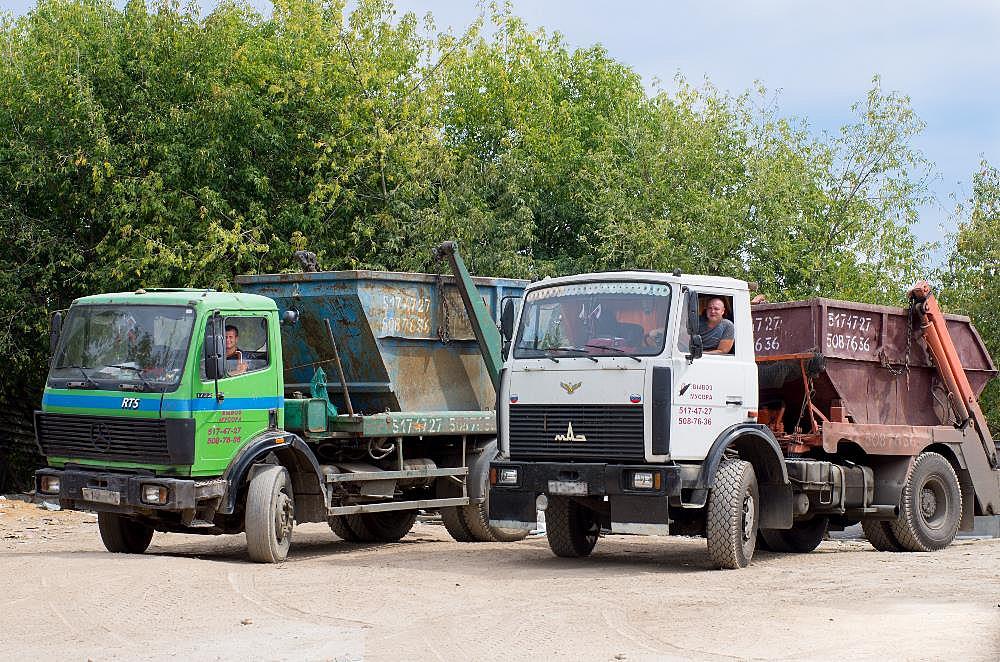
865,348
878,439
405,340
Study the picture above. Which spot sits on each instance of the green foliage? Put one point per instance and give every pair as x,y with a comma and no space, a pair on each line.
973,269
155,146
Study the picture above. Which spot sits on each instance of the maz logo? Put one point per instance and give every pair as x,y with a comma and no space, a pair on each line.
569,436
130,403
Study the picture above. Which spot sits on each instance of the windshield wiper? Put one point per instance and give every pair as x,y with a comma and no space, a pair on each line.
617,349
90,383
535,349
583,352
138,372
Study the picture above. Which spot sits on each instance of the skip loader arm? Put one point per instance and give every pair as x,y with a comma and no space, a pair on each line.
960,393
483,326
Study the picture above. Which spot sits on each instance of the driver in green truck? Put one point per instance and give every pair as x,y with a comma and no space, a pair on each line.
235,365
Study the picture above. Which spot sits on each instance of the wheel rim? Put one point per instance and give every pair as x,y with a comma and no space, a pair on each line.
749,516
933,506
284,516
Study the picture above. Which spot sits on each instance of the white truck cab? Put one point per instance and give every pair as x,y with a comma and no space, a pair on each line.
618,398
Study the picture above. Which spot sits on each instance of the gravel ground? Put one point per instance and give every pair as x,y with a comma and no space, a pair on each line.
428,598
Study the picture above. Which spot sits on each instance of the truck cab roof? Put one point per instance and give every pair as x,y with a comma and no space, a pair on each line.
197,298
694,280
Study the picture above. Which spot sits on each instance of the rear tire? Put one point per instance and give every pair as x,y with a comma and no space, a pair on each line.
338,524
123,535
802,538
387,526
270,515
733,514
571,529
931,505
880,535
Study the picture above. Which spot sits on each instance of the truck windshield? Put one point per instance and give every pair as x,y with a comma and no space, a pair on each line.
594,319
141,348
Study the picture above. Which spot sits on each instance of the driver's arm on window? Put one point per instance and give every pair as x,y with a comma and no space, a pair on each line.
725,346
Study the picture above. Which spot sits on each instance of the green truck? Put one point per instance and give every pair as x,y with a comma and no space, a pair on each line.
355,398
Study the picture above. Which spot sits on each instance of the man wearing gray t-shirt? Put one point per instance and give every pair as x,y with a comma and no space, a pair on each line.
717,333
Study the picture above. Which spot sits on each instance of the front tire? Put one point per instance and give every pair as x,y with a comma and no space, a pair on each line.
471,523
570,528
270,515
454,522
733,515
123,535
802,538
931,505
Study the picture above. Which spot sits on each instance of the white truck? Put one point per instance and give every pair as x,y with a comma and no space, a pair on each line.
614,417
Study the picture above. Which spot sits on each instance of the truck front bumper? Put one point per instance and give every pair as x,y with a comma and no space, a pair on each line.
102,491
631,509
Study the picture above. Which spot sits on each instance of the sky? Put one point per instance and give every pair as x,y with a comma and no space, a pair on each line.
816,57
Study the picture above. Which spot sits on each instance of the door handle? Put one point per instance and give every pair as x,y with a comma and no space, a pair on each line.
734,400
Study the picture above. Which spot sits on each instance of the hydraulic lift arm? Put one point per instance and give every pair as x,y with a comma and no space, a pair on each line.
960,394
482,322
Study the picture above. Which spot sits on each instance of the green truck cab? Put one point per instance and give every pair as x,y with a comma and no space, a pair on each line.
179,410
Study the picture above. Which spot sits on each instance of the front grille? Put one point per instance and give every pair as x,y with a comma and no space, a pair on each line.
613,432
112,438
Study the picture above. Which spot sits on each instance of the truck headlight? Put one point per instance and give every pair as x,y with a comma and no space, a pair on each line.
156,494
49,484
645,480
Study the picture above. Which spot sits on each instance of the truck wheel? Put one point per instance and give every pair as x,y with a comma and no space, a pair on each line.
123,535
931,506
388,526
570,528
455,524
338,524
477,520
733,515
803,537
477,515
270,515
880,535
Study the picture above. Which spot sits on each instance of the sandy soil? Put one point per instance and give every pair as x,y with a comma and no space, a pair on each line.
425,598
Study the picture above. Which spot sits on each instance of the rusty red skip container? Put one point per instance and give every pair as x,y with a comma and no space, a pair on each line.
865,349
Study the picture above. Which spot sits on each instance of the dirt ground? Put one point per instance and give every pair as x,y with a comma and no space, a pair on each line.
428,598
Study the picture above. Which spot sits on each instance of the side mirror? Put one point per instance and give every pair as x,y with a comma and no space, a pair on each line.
507,320
693,316
696,348
290,317
55,330
215,350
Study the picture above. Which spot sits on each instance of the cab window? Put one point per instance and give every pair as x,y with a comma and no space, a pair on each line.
246,345
718,332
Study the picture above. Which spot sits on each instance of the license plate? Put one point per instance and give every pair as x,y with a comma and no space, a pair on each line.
102,496
567,487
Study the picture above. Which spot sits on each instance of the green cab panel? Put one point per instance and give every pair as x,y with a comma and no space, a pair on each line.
192,426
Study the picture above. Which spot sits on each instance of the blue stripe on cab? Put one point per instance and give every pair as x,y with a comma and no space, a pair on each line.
152,403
